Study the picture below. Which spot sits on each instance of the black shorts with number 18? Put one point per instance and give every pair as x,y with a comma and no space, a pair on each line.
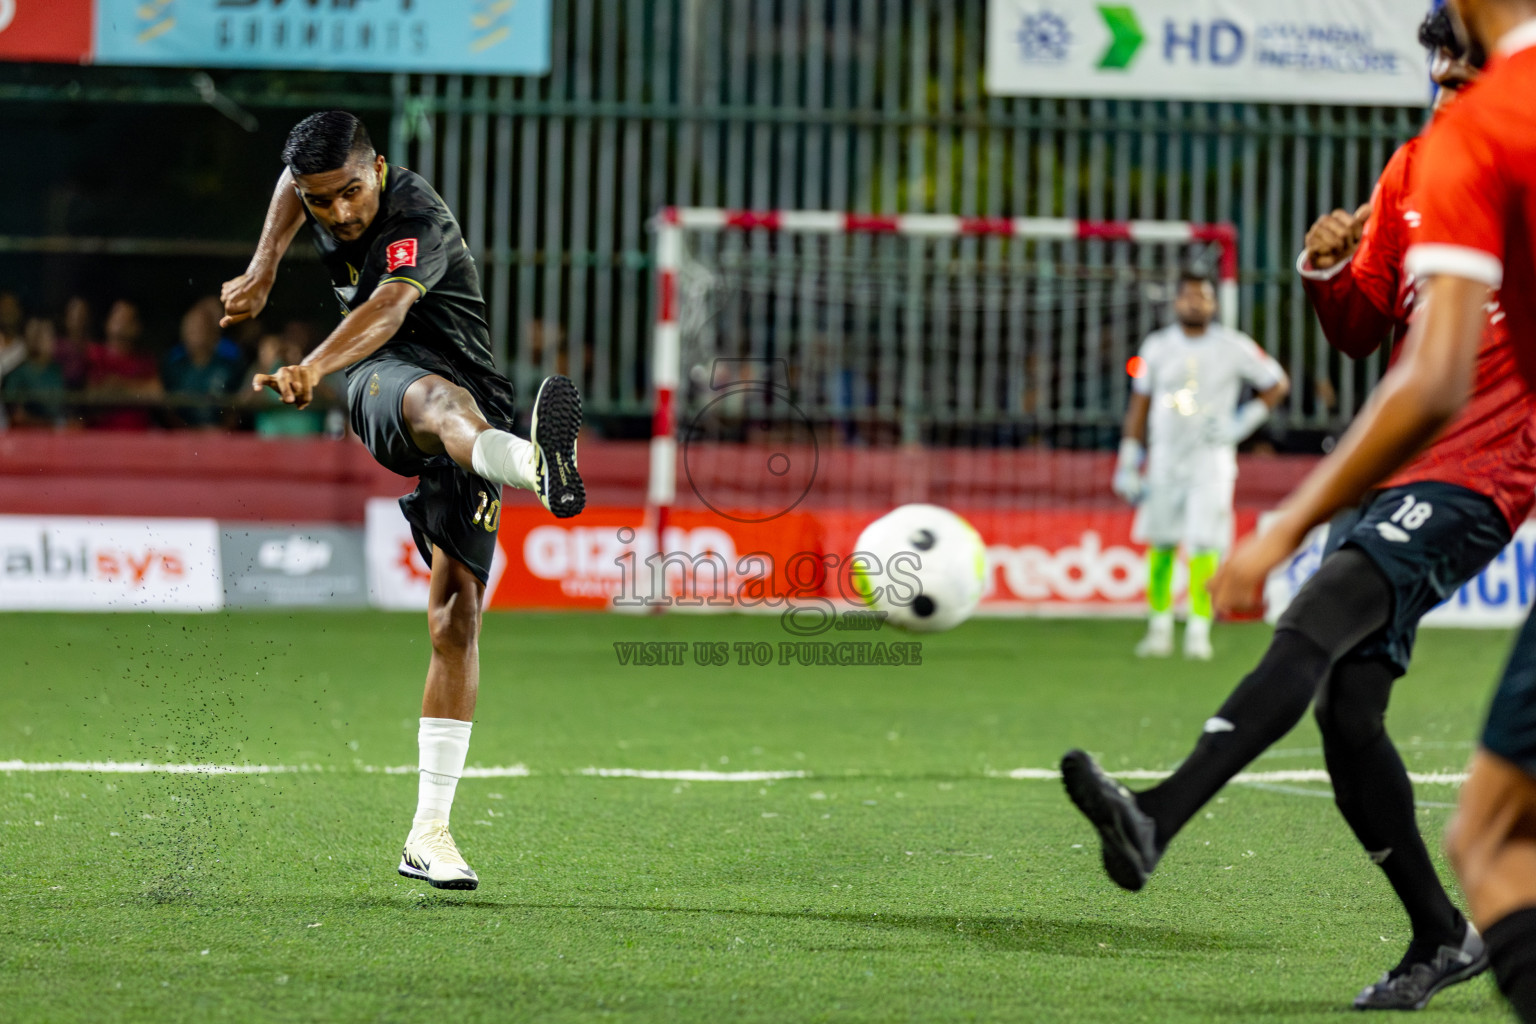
1427,539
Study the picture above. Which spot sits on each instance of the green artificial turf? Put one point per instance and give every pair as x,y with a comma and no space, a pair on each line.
901,879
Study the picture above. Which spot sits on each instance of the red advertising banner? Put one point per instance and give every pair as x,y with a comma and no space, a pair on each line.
46,30
598,560
1053,561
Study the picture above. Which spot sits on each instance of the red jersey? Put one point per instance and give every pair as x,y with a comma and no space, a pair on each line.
1366,299
1478,200
1490,447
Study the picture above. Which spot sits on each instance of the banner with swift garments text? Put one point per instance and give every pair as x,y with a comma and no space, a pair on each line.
491,37
1358,52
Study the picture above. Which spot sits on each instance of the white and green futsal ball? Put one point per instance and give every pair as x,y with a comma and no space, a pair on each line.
923,566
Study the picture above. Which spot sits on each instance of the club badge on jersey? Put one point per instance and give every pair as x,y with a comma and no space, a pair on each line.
400,254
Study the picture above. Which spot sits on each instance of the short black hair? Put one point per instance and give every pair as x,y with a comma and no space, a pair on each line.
1193,275
1438,32
325,142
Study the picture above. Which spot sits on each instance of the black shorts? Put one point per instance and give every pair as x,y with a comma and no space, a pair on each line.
1427,539
450,507
1511,728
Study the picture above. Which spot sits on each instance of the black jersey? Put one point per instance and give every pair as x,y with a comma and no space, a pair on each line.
414,238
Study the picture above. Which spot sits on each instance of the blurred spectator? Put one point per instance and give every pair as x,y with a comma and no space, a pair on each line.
273,418
78,337
33,391
198,370
229,347
117,369
300,336
13,350
245,337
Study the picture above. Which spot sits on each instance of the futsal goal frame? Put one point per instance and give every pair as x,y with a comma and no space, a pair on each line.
673,222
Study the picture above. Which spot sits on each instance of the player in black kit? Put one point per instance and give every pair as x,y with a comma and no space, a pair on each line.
426,398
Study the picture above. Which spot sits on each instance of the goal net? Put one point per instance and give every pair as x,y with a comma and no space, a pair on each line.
834,366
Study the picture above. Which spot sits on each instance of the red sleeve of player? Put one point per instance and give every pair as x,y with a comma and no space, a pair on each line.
1378,262
1357,307
1461,196
1350,321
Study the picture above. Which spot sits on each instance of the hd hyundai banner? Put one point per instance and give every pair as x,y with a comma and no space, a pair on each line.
1355,52
493,37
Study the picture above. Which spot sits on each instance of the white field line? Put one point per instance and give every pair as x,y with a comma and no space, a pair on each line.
1327,794
685,775
518,771
1296,775
515,771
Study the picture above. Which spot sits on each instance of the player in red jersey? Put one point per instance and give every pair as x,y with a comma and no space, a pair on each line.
1349,633
1475,192
1352,263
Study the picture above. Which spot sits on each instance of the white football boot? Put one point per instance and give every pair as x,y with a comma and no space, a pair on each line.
1197,639
430,856
1158,643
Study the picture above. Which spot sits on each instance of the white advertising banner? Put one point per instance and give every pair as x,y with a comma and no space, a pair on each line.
1497,598
64,563
1301,51
398,577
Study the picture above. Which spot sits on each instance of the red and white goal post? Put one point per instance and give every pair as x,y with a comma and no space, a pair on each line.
675,226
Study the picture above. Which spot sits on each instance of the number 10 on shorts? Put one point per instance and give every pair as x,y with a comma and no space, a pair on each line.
488,514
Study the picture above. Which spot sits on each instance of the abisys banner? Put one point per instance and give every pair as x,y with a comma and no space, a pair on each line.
494,37
1358,52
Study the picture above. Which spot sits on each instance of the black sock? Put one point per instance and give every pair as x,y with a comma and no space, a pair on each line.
1512,948
1371,788
1264,707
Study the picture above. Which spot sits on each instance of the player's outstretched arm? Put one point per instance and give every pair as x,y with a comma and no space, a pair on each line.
360,334
1416,398
245,296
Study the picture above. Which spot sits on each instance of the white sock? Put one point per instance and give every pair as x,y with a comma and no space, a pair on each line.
444,744
504,458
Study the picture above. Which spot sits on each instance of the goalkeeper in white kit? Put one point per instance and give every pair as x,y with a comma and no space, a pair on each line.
1185,393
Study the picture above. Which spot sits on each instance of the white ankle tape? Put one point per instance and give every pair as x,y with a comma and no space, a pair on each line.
503,458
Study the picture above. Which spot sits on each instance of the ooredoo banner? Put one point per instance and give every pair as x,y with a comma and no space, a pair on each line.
1041,561
610,559
61,563
1302,51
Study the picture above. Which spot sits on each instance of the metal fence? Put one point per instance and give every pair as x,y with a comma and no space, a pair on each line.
868,105
873,105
